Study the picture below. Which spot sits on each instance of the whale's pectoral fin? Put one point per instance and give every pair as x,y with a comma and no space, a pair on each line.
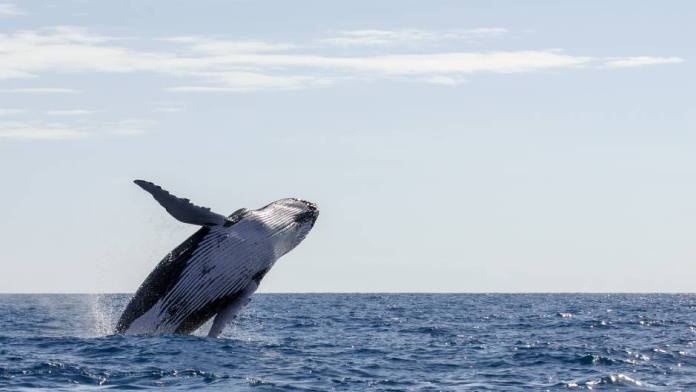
182,209
229,312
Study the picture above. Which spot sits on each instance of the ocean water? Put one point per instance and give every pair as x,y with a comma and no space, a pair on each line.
362,342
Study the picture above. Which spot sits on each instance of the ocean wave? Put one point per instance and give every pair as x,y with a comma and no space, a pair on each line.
437,342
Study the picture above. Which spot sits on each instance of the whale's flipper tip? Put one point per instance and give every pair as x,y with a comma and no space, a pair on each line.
147,185
180,208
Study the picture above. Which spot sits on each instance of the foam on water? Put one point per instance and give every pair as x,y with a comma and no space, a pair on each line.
362,342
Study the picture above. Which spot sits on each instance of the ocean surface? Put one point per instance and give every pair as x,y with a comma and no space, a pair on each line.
362,342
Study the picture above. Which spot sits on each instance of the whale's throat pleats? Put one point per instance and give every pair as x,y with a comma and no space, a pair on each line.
203,314
225,308
161,280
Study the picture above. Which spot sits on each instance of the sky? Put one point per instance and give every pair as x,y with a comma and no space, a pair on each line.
452,146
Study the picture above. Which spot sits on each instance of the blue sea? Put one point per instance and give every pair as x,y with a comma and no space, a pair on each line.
362,342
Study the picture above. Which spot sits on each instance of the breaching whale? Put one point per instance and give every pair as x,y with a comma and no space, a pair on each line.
215,270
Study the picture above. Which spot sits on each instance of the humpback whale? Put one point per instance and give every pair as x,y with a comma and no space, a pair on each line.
216,270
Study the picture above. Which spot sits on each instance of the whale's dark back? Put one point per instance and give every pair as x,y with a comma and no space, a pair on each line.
160,280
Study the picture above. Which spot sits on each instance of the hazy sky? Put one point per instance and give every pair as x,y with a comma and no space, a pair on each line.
452,146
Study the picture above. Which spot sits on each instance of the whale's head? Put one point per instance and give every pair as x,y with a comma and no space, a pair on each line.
289,221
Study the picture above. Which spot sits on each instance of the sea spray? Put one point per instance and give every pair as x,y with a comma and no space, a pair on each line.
101,316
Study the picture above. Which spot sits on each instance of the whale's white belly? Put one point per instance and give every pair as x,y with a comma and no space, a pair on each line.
222,266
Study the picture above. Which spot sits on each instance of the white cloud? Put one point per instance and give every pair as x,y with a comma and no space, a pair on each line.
204,89
125,127
486,31
9,10
451,63
11,111
407,36
168,109
247,81
71,49
42,90
642,61
36,130
70,112
221,46
217,65
445,80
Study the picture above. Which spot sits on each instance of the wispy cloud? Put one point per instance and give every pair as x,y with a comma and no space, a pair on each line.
222,46
36,130
11,111
70,112
129,127
168,109
248,81
8,10
445,80
42,90
216,65
642,61
408,36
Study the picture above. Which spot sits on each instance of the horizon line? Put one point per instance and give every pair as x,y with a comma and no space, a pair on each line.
390,292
